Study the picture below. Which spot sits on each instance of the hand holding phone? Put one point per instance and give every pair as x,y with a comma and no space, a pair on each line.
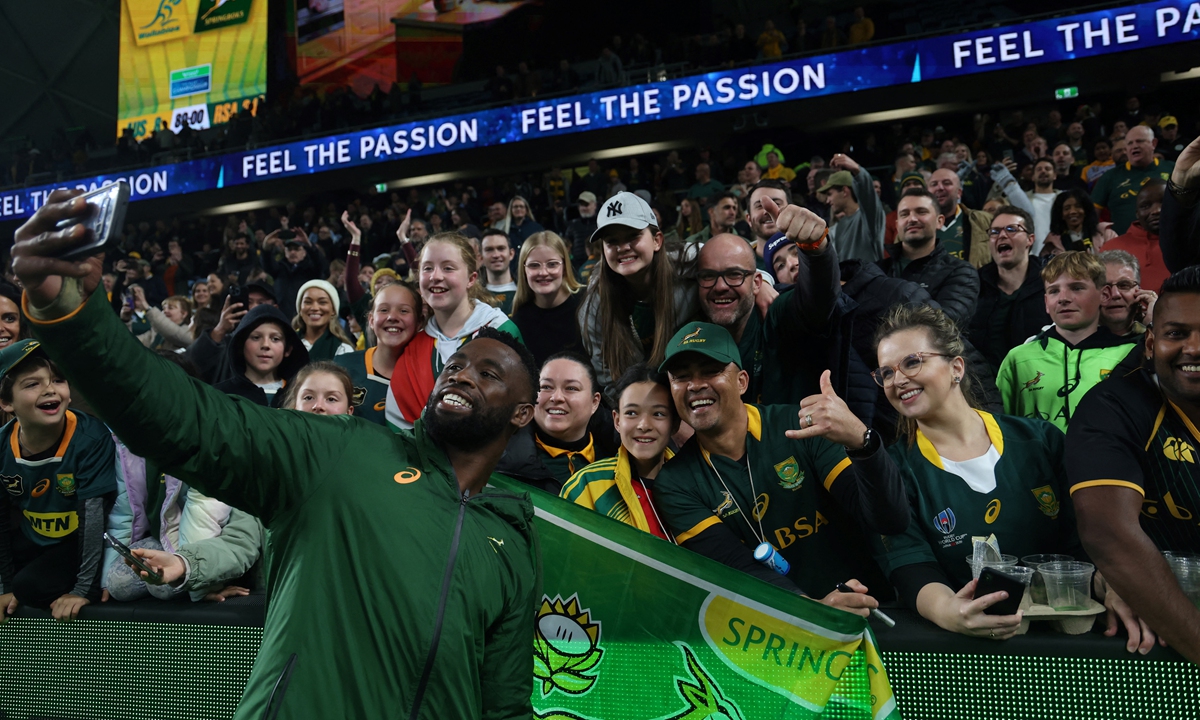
991,581
133,560
107,214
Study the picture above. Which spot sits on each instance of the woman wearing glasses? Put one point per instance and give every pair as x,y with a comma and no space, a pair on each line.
968,474
546,302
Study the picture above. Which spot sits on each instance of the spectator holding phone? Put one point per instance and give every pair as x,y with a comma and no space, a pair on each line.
317,321
986,474
622,487
59,471
264,353
1127,308
160,519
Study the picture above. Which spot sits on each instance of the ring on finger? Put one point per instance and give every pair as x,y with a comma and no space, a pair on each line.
808,421
992,634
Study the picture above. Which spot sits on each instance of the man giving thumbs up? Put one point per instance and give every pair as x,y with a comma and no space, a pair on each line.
771,479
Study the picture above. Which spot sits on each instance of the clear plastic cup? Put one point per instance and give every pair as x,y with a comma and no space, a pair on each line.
1037,589
1186,568
1005,563
1068,584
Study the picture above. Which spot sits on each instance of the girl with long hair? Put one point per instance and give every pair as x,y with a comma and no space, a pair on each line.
639,300
547,300
691,218
968,473
396,316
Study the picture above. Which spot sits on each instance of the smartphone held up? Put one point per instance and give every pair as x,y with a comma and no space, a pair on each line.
105,217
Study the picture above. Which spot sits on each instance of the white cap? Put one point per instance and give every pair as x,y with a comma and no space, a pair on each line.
626,209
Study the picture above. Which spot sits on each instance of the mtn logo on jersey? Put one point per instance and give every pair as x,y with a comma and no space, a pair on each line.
944,521
1173,449
12,483
791,477
53,525
1047,501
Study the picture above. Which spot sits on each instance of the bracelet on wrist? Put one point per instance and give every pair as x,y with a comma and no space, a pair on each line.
811,246
1185,195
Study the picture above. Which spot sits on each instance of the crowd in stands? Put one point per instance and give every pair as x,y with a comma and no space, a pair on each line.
1003,325
311,110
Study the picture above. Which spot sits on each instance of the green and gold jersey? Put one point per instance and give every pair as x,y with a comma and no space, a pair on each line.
49,492
1028,510
504,295
606,486
370,390
782,485
1127,434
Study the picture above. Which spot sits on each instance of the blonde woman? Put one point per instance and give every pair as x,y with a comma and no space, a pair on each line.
547,299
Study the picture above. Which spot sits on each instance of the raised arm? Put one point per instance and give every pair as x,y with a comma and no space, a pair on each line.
354,289
1179,231
260,460
811,306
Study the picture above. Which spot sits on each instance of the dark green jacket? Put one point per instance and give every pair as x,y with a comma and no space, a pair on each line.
370,539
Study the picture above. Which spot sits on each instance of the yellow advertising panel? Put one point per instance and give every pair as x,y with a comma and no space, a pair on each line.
190,62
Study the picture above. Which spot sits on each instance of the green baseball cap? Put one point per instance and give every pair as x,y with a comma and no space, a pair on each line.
707,339
841,178
11,356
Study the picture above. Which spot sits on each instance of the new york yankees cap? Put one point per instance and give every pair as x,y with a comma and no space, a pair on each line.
625,209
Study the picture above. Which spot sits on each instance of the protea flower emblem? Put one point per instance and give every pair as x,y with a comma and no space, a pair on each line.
566,646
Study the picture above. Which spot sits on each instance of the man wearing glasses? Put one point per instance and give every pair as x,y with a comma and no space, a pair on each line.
1047,376
807,483
1011,306
772,349
1128,307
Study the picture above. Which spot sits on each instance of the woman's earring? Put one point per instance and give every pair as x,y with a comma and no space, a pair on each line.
957,380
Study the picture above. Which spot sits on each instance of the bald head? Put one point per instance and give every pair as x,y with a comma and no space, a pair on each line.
946,189
728,281
726,251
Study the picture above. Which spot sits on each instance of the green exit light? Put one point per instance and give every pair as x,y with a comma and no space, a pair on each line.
382,187
1067,92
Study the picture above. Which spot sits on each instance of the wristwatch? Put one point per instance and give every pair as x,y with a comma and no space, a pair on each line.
868,446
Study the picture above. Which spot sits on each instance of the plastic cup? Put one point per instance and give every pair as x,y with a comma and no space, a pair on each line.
1037,589
1068,584
1004,564
1186,568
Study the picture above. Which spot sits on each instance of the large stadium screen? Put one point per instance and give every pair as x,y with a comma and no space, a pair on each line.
193,62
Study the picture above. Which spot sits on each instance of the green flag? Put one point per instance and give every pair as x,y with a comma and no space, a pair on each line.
633,628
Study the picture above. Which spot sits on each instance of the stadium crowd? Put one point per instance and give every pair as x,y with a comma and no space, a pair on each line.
999,335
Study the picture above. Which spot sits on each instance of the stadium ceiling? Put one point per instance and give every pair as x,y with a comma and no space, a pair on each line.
58,68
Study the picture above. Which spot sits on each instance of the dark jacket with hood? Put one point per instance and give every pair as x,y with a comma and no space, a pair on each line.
297,358
952,282
1026,315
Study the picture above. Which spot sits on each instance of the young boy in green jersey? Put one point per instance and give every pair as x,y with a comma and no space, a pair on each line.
59,471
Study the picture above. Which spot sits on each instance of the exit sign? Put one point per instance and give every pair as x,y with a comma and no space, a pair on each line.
1067,92
381,187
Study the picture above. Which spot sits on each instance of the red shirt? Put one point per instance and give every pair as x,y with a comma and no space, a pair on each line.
643,495
1143,245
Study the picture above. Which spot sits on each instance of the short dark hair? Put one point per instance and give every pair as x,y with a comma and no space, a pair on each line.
1044,160
493,231
721,196
182,360
36,360
527,361
1102,141
640,373
1019,212
1186,281
919,192
768,183
578,359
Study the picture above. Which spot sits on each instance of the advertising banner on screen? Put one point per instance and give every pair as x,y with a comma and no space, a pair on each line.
189,62
1057,40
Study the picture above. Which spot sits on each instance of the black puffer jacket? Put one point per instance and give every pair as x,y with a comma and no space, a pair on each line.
297,356
952,282
874,294
1027,316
